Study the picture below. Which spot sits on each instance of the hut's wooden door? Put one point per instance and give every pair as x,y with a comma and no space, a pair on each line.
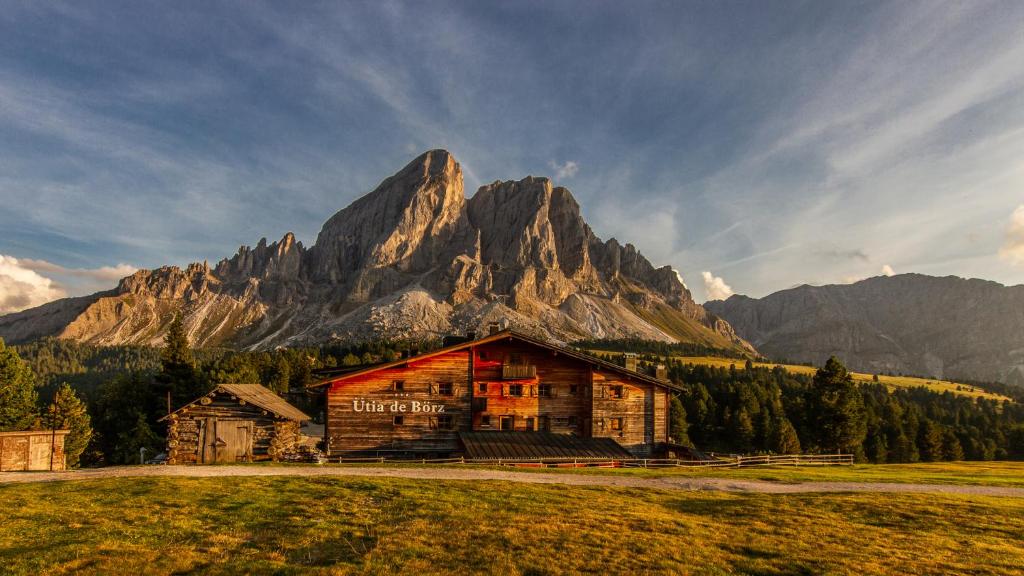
227,440
14,453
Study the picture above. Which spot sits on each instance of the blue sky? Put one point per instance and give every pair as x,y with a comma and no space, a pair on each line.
757,145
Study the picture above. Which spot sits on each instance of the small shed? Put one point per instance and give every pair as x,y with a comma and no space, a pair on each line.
32,450
233,423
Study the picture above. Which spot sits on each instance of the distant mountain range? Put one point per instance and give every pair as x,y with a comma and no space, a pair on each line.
413,258
914,324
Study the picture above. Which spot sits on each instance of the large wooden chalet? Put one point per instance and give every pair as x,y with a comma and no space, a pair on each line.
506,395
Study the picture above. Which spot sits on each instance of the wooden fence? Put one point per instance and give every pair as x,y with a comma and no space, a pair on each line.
718,461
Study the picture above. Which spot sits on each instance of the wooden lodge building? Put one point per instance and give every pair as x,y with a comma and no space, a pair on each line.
503,396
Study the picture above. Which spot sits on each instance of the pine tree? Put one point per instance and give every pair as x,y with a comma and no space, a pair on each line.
178,370
743,431
677,423
67,412
951,447
929,442
17,391
783,439
838,407
281,379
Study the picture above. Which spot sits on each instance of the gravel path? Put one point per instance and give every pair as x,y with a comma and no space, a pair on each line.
427,473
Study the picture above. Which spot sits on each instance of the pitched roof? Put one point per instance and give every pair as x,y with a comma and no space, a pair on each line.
256,395
495,445
504,334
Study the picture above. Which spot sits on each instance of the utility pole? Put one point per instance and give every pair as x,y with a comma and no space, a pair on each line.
53,432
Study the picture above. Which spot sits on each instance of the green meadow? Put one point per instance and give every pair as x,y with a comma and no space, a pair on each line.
304,525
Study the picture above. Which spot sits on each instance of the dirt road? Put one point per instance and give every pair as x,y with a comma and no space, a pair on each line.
429,473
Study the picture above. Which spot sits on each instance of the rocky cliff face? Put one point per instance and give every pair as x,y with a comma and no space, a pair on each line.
938,327
413,258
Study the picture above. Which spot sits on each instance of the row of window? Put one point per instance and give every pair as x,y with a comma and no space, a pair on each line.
519,390
543,423
507,422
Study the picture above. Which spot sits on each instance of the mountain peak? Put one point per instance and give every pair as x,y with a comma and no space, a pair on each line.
415,258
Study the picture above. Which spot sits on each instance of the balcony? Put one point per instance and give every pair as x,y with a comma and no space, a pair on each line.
518,371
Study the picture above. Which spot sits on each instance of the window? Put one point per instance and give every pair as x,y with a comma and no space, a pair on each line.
561,421
515,389
445,422
529,424
398,385
482,387
544,424
445,388
515,359
616,424
483,355
573,422
544,390
507,423
485,421
398,420
574,389
615,391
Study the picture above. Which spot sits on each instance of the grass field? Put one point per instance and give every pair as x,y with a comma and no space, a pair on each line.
1010,474
381,526
890,381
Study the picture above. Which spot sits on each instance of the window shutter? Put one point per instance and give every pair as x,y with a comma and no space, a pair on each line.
533,390
433,388
504,389
601,391
432,422
625,392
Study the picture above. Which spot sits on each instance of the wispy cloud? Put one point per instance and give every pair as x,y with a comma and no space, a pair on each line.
812,147
887,270
565,170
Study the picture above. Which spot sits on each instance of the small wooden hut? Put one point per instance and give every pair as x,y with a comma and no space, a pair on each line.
32,450
233,423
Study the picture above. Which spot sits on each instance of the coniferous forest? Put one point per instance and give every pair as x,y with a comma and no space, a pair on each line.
121,392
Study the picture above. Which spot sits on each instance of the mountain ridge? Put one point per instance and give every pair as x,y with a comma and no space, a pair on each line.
941,327
412,258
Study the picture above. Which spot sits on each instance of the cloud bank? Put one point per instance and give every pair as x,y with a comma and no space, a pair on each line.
26,283
21,287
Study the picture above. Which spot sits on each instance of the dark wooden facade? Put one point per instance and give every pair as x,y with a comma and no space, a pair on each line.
233,423
504,382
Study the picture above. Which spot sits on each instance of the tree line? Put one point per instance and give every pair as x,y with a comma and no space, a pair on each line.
761,410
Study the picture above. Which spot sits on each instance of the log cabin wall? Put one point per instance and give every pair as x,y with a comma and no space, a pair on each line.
187,429
661,404
529,388
365,412
623,410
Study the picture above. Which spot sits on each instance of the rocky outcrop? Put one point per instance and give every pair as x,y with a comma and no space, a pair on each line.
412,258
913,324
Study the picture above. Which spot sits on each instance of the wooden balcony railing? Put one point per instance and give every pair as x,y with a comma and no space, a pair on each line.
518,371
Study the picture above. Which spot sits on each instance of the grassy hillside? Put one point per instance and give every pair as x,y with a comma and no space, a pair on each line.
890,381
381,526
